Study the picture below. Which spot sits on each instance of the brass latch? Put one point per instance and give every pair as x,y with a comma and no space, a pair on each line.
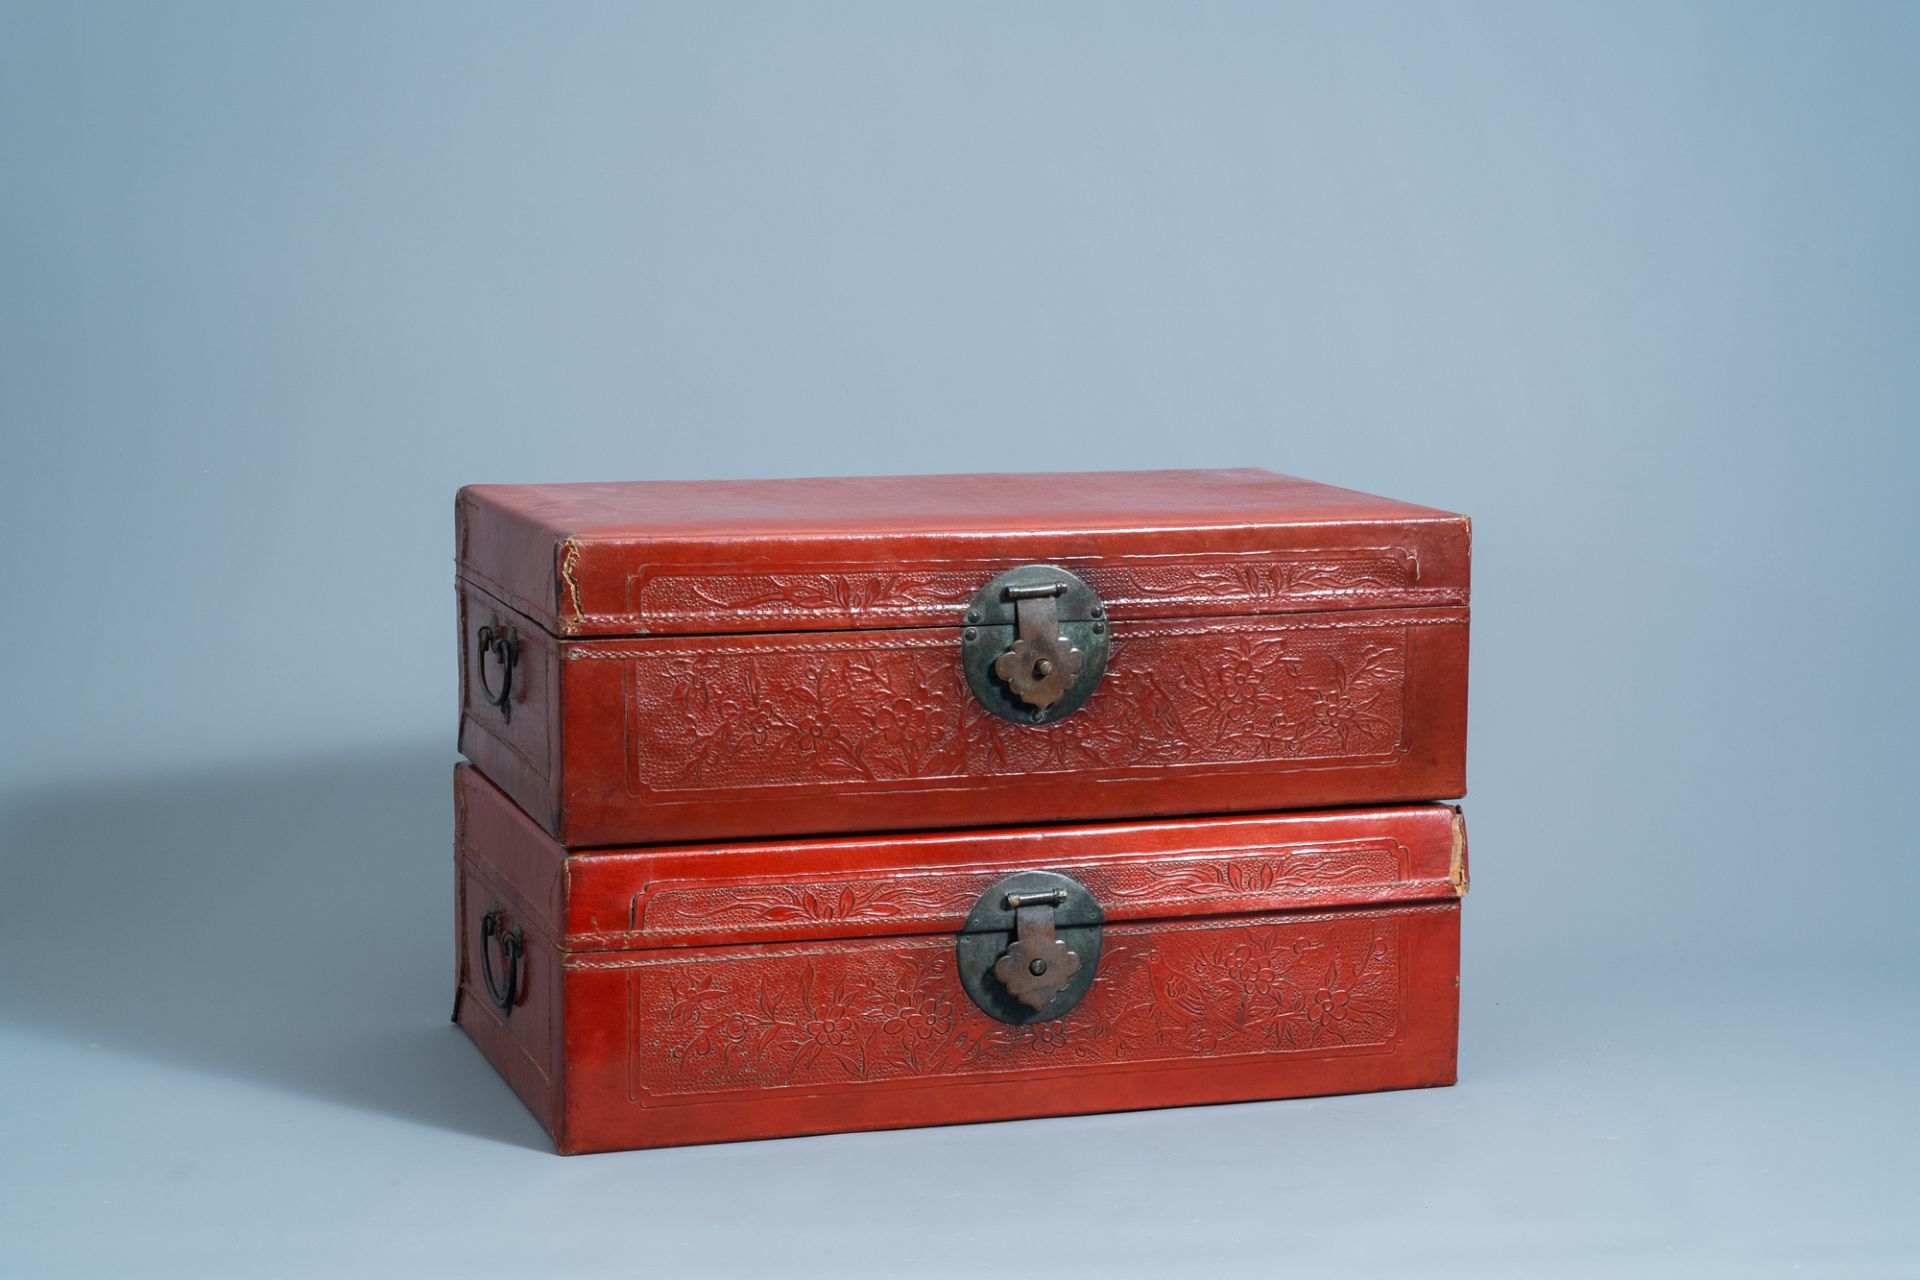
1038,966
1035,644
1042,664
1047,964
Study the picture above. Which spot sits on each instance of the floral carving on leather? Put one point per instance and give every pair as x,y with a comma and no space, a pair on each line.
1242,690
1291,994
1346,709
941,899
895,708
1274,874
839,1014
835,902
812,1023
853,595
1271,581
865,718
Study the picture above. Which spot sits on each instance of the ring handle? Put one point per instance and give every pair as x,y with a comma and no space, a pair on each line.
504,644
512,944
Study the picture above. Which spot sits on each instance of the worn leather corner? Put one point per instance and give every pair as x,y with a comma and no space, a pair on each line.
1457,859
570,588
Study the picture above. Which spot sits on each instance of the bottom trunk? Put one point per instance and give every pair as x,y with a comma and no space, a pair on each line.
669,996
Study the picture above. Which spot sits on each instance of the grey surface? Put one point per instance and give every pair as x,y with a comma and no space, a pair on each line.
1635,285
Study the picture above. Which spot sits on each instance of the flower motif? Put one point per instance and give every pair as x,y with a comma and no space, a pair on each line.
901,721
725,1039
826,1023
1346,710
817,730
924,1017
1242,692
829,1030
1239,689
1336,709
1257,971
755,720
1329,1004
1048,1037
691,990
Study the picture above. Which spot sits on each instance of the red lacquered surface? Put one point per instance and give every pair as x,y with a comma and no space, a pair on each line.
707,661
690,994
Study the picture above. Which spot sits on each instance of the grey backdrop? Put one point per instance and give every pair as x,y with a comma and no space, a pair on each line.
1635,285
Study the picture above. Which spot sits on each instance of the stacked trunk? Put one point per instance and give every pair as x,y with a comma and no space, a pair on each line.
783,794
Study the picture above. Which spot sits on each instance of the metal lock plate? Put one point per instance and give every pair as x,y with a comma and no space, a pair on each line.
1035,644
1030,947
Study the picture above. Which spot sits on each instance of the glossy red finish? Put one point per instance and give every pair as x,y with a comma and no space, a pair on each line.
681,994
720,660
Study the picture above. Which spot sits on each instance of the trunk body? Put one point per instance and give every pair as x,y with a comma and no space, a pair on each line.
726,661
677,994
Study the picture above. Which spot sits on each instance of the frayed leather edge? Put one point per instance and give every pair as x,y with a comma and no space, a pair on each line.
569,567
1457,859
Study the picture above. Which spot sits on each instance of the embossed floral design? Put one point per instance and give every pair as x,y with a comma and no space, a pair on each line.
1253,876
1242,691
1329,1005
756,721
829,1030
922,1019
1267,582
825,1024
913,729
900,721
918,1010
1348,1000
1346,710
791,904
1259,973
919,1016
838,1014
813,726
726,1038
1047,1037
751,715
854,594
1201,1037
717,1030
1337,709
774,715
1287,990
797,715
816,730
690,989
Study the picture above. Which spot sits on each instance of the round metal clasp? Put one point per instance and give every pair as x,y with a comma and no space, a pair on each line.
1034,644
1030,947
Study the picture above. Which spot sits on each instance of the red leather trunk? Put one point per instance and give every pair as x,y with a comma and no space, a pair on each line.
717,661
676,994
